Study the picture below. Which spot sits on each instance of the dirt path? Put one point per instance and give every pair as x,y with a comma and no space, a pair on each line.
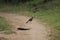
37,31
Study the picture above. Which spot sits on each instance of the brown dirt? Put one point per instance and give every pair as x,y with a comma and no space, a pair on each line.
37,32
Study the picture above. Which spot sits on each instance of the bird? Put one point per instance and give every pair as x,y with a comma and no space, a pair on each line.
30,19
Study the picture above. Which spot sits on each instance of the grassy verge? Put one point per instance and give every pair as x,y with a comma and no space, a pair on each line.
5,27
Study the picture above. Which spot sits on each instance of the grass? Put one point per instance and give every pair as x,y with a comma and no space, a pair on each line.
4,25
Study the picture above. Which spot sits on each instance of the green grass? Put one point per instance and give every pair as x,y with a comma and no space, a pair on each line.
4,25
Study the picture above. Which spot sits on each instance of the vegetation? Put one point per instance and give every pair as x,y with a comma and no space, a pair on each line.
4,25
48,11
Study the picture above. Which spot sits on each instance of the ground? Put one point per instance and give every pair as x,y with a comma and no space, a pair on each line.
38,31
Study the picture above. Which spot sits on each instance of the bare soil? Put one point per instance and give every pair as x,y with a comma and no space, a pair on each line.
37,30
